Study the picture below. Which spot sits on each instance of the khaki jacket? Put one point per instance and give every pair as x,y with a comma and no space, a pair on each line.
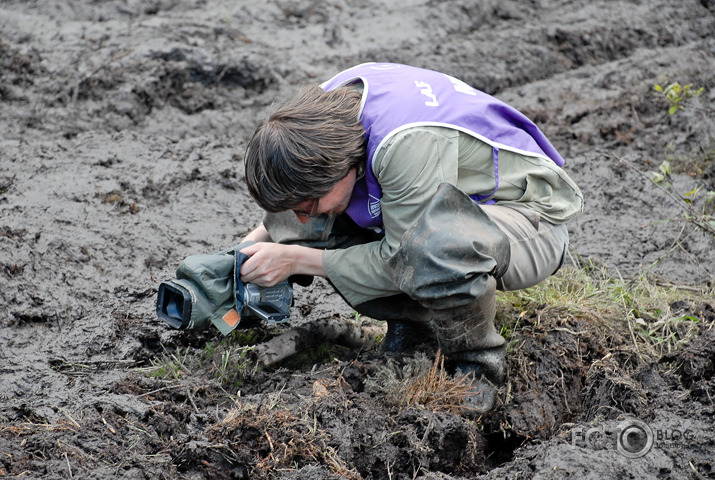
410,168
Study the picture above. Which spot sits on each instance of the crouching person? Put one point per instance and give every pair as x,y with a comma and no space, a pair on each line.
417,197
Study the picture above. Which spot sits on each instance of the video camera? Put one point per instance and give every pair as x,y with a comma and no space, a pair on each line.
208,289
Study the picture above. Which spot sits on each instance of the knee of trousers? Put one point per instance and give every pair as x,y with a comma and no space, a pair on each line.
446,258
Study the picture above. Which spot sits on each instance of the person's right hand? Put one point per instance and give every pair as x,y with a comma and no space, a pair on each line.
268,263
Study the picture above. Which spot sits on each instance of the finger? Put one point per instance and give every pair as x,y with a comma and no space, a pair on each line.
255,279
250,249
251,263
248,269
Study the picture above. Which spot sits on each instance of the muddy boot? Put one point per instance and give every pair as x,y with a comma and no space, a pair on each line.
407,322
487,368
469,340
403,336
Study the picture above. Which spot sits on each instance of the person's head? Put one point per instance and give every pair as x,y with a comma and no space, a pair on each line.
306,147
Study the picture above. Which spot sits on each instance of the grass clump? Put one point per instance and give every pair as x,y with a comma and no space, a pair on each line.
436,390
659,318
421,382
226,359
173,365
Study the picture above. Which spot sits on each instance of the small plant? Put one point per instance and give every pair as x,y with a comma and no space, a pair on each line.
697,164
172,365
677,95
233,366
664,173
227,359
230,359
702,218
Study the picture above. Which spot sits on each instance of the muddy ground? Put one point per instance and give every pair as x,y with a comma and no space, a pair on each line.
122,128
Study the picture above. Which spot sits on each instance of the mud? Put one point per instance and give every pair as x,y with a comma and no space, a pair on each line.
123,125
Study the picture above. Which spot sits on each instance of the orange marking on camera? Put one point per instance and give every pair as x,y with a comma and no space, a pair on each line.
232,318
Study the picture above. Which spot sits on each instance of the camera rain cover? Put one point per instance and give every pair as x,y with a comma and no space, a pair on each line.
208,289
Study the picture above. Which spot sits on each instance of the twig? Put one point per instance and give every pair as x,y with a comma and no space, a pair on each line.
678,243
633,337
562,329
159,390
679,287
697,474
563,391
71,419
111,429
191,399
696,218
69,467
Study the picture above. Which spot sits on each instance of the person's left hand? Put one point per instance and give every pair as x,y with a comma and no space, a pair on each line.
269,263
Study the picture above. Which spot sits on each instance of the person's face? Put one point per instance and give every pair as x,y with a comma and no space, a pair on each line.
336,201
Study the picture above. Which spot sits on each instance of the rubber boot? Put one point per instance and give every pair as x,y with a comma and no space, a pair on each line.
408,322
403,336
487,369
472,346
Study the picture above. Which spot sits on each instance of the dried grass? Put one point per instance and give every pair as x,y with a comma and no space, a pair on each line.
29,428
280,440
437,390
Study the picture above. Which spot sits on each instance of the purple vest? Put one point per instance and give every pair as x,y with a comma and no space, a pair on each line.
396,97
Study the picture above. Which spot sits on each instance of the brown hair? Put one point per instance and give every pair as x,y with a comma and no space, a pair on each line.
308,144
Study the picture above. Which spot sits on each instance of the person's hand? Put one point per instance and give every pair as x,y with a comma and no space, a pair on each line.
271,263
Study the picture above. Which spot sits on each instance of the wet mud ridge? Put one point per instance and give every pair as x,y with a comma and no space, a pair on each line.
122,130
